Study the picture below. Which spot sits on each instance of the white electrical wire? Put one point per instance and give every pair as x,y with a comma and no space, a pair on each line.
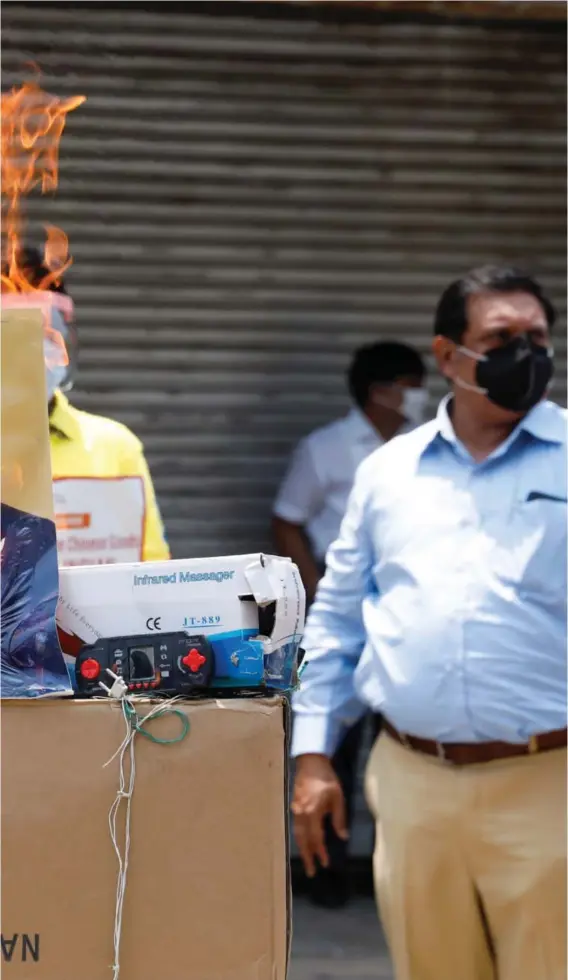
126,781
124,793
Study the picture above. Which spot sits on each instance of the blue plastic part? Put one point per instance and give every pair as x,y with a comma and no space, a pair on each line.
32,664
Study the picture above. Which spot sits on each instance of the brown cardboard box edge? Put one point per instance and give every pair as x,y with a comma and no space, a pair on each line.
24,422
208,892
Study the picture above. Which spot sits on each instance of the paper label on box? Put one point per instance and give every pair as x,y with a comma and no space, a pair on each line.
99,521
278,580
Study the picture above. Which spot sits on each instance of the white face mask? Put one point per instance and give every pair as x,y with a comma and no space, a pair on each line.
414,403
55,371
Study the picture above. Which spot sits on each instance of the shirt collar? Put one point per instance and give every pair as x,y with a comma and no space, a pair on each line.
62,419
361,428
444,425
544,422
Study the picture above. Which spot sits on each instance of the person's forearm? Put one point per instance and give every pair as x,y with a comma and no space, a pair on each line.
292,542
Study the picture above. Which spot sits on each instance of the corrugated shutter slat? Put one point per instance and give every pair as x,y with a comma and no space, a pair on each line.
249,197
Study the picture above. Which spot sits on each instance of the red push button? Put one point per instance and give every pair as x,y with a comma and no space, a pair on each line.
90,669
193,660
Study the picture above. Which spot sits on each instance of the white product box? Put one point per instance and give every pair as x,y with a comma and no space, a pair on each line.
250,607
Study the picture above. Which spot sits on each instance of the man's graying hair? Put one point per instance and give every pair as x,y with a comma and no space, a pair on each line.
451,314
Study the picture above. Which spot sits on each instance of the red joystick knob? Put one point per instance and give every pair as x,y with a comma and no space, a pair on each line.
194,660
90,669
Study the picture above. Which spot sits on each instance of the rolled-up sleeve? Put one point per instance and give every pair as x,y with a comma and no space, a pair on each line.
301,493
326,703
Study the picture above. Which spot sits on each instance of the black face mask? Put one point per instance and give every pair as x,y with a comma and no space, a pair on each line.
515,376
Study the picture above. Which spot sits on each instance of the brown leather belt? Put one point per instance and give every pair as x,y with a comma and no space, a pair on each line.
474,753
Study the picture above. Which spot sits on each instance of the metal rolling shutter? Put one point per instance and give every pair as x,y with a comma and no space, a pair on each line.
250,196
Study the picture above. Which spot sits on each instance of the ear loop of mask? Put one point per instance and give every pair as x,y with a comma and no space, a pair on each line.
377,400
465,384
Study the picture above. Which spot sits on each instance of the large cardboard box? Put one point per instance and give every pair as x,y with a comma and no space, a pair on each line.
207,896
32,664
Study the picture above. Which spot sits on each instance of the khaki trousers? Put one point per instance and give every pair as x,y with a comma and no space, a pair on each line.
470,864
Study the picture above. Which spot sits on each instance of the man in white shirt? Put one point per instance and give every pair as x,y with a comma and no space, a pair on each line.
386,384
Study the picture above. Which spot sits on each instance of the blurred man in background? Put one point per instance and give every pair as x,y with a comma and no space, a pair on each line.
386,385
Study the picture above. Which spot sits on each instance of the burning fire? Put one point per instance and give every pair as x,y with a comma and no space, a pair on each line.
32,125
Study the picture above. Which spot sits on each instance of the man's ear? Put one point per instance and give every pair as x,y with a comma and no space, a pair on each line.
444,351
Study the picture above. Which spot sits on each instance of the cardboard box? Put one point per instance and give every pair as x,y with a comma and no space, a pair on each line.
207,896
31,661
250,607
45,301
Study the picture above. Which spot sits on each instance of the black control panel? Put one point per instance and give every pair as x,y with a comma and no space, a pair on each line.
170,663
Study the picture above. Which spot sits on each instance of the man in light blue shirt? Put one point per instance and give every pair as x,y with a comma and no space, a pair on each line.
386,384
444,608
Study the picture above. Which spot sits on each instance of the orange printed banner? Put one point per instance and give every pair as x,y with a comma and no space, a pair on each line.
71,522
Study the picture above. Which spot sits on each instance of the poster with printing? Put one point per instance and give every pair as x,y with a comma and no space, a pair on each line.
99,520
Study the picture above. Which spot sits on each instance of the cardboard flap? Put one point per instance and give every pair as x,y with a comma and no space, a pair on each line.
277,580
44,300
261,584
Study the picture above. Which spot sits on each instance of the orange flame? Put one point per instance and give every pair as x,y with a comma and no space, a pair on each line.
32,125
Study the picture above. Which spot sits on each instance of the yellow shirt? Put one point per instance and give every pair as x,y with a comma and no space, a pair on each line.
105,505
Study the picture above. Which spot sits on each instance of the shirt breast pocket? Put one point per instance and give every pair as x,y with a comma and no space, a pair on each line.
541,542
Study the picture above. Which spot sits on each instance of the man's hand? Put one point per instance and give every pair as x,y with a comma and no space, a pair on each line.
317,793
